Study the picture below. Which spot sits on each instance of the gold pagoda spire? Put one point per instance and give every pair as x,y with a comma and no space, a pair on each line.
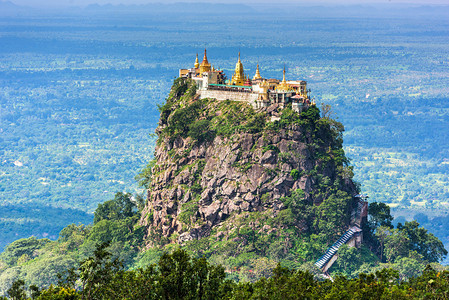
283,86
205,65
239,76
197,63
283,79
205,57
257,76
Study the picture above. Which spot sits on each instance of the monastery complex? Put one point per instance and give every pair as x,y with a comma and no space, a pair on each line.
258,91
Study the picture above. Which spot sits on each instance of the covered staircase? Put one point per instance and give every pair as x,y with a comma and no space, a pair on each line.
332,250
353,236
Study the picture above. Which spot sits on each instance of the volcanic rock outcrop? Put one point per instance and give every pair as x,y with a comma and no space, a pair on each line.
215,159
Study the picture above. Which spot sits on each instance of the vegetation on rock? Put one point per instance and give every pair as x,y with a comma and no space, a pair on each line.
217,159
216,213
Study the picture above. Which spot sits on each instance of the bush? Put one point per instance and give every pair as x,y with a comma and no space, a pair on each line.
270,147
295,174
200,131
188,211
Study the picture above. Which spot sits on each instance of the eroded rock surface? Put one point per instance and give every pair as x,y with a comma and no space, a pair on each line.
225,176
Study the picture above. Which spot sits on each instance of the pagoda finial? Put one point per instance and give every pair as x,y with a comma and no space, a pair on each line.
283,79
257,76
205,65
197,63
283,86
205,55
239,76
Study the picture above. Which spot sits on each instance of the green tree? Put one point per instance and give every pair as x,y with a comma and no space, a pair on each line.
140,284
431,284
200,131
21,247
44,271
349,258
17,290
382,234
379,215
284,284
96,272
332,214
410,266
34,291
396,245
423,242
119,208
7,278
182,277
59,293
72,236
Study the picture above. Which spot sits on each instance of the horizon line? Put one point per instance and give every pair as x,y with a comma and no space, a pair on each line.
326,3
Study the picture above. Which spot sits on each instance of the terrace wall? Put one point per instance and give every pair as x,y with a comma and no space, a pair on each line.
229,95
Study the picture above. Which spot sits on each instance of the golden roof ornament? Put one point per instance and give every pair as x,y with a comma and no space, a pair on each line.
205,65
239,76
205,57
257,76
283,78
239,67
197,64
283,86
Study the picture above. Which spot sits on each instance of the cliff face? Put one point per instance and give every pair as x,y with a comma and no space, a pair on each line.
215,160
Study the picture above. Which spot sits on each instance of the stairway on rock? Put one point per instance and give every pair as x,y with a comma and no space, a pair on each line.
330,252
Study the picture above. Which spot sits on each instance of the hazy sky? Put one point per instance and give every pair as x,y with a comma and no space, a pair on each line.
41,3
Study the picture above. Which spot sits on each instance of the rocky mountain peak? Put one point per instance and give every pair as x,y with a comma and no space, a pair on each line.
216,160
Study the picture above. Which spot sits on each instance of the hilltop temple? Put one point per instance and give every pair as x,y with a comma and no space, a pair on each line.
258,91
